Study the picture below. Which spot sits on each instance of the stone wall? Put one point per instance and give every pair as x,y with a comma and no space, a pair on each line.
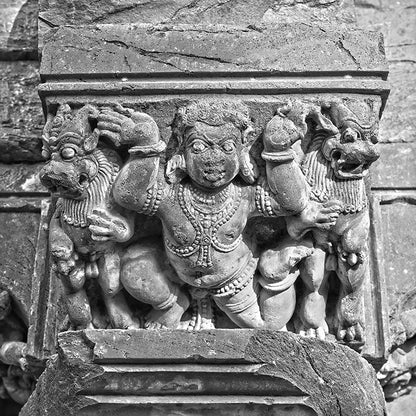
394,176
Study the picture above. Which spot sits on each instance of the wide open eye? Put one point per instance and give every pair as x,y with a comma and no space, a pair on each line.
350,135
68,153
198,146
228,147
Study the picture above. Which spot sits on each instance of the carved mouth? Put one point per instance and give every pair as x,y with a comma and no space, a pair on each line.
347,168
214,174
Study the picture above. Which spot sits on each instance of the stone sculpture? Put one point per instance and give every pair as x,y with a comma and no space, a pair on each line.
339,148
204,202
87,226
204,187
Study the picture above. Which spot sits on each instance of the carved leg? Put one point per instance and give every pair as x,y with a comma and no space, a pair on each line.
242,307
279,271
277,307
77,302
118,311
315,278
145,275
349,307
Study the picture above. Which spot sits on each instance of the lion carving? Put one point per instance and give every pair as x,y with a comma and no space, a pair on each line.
87,228
339,148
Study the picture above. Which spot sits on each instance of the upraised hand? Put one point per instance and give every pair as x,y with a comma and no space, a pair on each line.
124,126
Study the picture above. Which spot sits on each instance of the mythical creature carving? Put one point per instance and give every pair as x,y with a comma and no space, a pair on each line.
87,228
339,148
204,198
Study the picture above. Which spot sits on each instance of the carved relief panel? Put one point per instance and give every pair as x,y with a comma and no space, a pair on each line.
231,220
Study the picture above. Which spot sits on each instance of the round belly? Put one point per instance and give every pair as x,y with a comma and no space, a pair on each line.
223,266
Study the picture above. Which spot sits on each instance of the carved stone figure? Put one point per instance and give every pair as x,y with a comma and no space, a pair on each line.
339,148
16,380
204,198
87,227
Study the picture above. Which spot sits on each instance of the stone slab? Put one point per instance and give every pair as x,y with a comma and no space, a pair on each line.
117,50
324,378
21,117
396,168
18,235
67,12
18,29
21,179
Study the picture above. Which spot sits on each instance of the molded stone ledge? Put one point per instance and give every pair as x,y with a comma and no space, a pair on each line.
105,371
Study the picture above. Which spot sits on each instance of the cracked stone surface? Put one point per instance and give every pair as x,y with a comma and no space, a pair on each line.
141,49
333,379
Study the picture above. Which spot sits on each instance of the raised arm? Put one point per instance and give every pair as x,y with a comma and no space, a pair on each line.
136,187
285,187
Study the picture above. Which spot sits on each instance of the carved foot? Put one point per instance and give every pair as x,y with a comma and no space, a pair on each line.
350,333
168,318
320,332
202,315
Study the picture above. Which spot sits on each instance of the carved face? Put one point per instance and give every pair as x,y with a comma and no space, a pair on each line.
351,152
69,171
212,154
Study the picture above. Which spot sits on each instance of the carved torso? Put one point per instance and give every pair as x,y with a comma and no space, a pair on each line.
204,239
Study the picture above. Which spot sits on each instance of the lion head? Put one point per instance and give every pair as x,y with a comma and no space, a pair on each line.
349,133
339,147
69,141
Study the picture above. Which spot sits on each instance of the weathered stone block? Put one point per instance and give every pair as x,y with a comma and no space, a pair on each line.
57,13
18,247
125,50
20,112
396,167
271,372
18,29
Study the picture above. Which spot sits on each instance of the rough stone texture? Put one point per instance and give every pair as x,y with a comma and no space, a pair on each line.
334,380
138,49
20,112
17,258
394,173
20,178
404,405
396,167
397,21
18,29
55,12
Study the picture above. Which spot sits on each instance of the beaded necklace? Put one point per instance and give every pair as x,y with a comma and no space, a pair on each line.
207,213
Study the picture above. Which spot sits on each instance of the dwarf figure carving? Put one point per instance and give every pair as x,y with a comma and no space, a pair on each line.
339,148
87,227
204,197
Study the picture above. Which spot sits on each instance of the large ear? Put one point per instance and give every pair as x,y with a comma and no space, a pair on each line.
317,123
90,142
176,168
46,153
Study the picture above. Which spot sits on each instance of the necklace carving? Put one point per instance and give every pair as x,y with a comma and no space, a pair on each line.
207,213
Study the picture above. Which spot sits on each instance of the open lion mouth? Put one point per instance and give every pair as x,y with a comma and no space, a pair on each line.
347,168
65,189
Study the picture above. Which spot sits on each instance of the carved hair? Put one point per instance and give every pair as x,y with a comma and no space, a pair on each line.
326,186
75,212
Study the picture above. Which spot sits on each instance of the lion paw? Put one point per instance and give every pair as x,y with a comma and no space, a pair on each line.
350,333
